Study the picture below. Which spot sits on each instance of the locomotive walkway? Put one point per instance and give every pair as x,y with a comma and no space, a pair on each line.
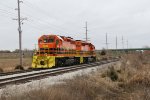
23,77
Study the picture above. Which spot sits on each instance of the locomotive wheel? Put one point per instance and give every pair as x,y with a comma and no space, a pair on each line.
63,62
85,60
94,59
76,61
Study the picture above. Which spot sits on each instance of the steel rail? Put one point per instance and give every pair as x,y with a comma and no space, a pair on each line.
15,72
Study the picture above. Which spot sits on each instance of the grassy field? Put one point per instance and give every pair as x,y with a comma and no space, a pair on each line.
8,61
129,80
8,65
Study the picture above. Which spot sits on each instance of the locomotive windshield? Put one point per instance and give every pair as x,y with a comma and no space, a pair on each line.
45,41
51,40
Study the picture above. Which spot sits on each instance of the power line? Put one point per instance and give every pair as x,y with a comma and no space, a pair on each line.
33,6
39,19
40,22
42,11
43,22
29,4
4,14
4,5
36,26
7,12
33,26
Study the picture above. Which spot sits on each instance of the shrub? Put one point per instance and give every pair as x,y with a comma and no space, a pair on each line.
1,70
112,73
103,52
19,67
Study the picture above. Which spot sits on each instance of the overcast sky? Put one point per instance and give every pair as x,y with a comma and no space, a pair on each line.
127,18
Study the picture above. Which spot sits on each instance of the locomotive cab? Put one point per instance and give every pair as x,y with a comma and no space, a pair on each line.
48,44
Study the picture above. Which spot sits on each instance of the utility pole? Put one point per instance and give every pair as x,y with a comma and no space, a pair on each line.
35,47
86,32
20,34
20,21
127,44
122,42
106,41
116,43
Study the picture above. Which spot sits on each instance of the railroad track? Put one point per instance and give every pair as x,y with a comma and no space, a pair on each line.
19,72
15,72
23,77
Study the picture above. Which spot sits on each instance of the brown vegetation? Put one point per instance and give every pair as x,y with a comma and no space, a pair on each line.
129,80
8,65
10,60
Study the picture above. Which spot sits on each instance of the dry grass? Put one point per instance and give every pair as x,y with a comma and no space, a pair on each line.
129,80
9,64
8,61
81,88
136,76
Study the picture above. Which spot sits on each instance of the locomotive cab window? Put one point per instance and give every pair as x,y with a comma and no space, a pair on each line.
51,40
45,40
40,41
57,42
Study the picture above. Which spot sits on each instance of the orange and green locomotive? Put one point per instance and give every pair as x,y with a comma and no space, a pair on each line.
54,50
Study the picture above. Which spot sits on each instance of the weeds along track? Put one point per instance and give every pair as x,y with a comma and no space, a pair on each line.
23,77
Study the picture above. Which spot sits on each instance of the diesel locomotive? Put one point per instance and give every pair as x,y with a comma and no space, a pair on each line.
55,50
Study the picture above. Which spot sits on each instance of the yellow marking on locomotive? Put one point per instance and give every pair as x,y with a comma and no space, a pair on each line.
81,60
45,46
43,61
